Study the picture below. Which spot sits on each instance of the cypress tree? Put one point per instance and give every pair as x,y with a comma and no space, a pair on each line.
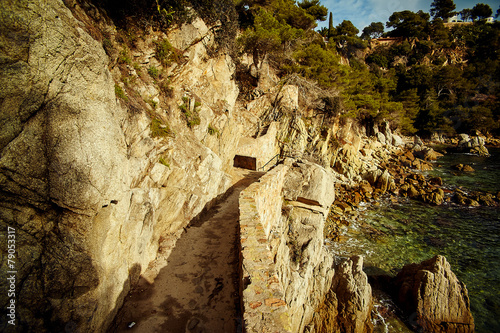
330,26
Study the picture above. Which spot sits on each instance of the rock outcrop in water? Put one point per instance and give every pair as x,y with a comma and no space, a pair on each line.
470,144
434,298
348,305
354,296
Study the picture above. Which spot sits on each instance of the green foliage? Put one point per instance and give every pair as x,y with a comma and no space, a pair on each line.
410,101
108,46
158,129
314,62
212,130
481,11
165,52
442,9
346,28
466,14
477,117
331,29
267,35
192,117
124,56
288,12
440,35
165,162
408,23
378,59
374,30
167,89
120,93
314,8
153,72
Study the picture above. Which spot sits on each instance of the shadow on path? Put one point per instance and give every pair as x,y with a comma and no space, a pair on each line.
198,289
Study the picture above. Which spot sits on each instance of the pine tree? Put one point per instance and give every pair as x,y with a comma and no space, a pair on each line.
443,9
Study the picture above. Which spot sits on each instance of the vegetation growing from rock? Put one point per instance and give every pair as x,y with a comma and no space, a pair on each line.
159,129
120,93
190,112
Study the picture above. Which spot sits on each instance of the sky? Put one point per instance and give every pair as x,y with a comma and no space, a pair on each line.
362,12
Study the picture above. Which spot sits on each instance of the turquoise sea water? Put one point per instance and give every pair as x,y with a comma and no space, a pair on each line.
410,231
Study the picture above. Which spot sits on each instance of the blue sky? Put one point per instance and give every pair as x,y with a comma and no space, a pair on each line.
362,12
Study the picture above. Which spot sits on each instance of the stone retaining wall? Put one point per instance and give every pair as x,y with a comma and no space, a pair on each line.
263,300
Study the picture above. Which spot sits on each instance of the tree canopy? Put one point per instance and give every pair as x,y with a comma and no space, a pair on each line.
443,9
408,23
315,9
481,11
374,30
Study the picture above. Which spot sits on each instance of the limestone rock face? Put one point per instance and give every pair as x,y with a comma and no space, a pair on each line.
304,266
310,184
354,296
85,184
432,291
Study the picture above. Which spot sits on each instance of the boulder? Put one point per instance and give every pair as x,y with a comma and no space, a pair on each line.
436,181
463,139
464,168
397,140
311,184
432,292
381,138
436,197
474,145
480,150
422,165
384,181
428,154
354,296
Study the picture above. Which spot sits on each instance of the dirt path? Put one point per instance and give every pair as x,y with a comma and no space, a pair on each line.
197,290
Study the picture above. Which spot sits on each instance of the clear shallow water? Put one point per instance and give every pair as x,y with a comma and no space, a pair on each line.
410,231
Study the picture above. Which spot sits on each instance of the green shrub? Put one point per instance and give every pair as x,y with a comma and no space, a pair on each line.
167,89
120,93
153,72
158,129
163,161
124,57
108,46
165,52
192,118
212,130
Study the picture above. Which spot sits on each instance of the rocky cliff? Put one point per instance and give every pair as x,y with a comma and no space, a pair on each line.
114,140
90,180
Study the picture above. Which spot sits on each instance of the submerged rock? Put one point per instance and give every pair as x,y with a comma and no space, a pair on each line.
432,292
464,168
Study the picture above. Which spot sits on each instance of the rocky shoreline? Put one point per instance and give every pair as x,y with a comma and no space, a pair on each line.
402,175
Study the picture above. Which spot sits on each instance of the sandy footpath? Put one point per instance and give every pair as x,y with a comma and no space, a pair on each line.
197,290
